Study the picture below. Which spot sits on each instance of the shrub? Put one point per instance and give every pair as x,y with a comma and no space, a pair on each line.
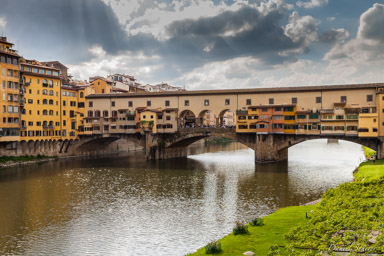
213,247
256,222
240,228
273,250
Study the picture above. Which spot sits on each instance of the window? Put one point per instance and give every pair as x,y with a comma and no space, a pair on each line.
206,102
248,102
102,90
168,118
50,84
45,112
64,103
186,102
105,113
294,100
64,113
42,71
112,103
264,110
167,103
130,104
318,99
271,101
80,105
50,93
51,112
148,103
45,101
369,97
50,102
81,95
227,102
72,103
90,104
71,113
343,98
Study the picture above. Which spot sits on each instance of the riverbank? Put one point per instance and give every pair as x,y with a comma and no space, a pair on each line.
10,161
349,218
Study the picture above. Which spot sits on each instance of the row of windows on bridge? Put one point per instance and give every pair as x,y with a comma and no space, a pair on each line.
47,133
228,101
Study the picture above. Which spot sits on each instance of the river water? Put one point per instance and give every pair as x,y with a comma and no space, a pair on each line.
124,205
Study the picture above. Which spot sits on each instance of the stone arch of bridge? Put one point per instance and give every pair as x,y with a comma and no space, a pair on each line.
100,143
371,143
189,138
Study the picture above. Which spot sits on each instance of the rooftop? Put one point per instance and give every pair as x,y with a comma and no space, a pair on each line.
242,91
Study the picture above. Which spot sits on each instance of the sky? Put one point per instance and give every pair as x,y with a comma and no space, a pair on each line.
200,44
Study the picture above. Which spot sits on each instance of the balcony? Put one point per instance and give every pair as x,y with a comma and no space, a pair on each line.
51,127
45,127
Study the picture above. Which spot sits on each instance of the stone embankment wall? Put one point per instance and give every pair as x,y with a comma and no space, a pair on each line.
62,148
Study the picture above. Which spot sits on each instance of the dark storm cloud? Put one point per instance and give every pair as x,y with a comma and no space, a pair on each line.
63,29
245,32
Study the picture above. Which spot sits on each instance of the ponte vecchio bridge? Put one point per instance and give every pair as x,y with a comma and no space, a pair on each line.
268,120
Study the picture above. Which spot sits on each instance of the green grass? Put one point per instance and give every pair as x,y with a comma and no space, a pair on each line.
368,152
260,238
4,159
368,170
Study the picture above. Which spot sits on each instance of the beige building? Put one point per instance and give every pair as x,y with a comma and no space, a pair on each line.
341,103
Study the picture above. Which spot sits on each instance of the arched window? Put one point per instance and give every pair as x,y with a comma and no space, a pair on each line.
45,101
45,83
51,112
50,83
114,113
81,95
50,102
45,112
105,113
45,92
50,92
97,113
90,113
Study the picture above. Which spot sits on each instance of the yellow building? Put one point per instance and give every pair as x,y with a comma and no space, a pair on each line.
10,92
73,111
101,85
41,114
368,125
159,121
290,125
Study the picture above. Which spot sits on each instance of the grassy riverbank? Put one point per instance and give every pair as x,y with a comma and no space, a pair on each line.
349,217
8,161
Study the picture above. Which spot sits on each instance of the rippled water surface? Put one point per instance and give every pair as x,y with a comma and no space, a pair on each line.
128,206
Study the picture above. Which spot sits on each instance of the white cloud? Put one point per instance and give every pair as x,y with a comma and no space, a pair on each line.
135,64
302,30
3,22
311,4
331,18
368,46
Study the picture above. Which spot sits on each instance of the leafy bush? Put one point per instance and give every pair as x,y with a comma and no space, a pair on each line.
273,250
240,228
213,247
256,222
